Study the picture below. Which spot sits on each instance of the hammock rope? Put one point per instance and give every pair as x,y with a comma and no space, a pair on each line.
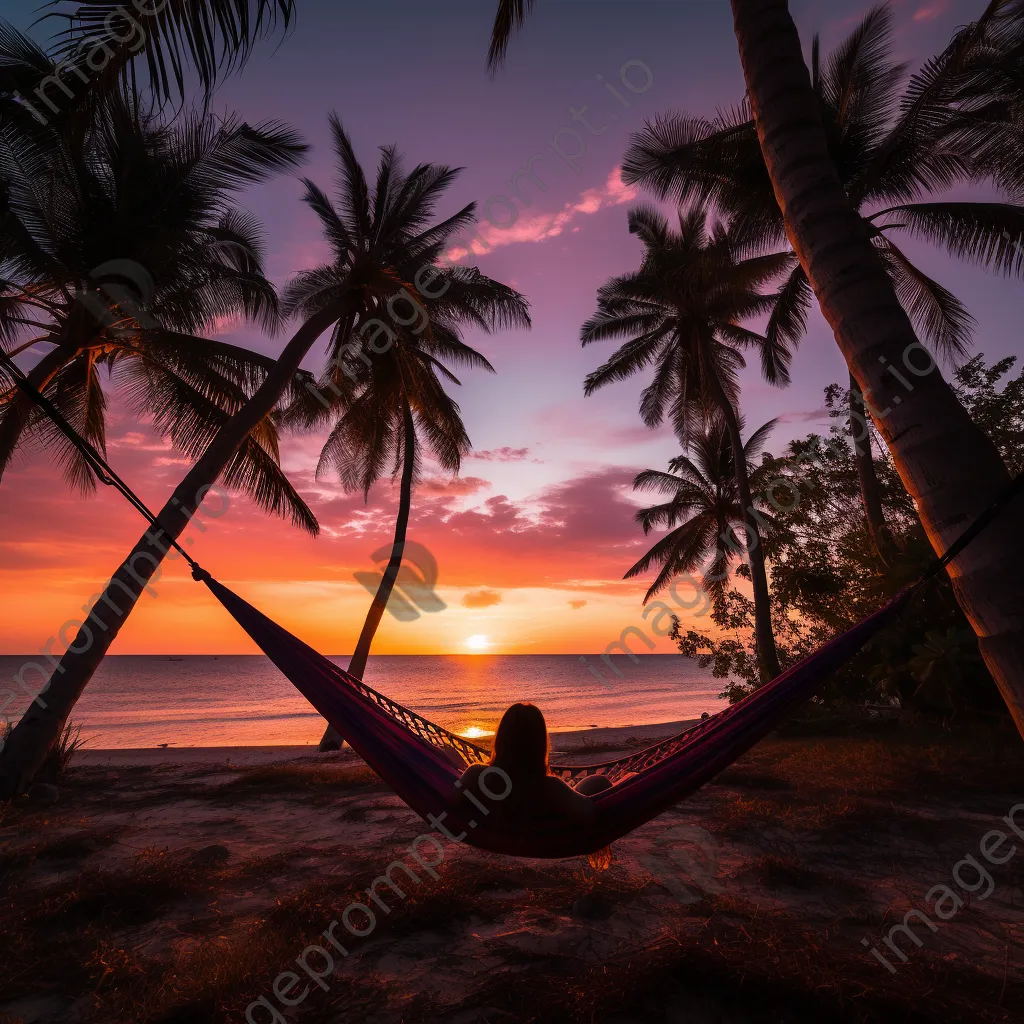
95,461
469,753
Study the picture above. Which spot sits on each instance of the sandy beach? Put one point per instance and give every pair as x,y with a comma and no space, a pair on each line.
218,867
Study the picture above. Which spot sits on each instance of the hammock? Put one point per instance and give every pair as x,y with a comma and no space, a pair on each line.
422,762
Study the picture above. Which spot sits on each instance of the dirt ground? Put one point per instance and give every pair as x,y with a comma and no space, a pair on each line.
179,890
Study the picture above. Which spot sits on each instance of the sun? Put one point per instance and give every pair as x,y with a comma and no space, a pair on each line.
478,642
474,732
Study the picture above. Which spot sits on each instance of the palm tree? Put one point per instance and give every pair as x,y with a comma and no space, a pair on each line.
363,281
950,468
394,408
115,45
975,86
681,313
116,257
703,504
888,158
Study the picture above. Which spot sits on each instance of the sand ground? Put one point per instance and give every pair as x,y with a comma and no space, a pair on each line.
177,885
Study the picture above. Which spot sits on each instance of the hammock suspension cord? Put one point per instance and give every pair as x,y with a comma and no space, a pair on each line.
96,462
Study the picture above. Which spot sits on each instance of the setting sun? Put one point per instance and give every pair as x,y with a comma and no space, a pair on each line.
478,642
474,732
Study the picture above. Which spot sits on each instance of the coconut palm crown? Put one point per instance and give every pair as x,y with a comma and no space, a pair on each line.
701,508
891,151
120,251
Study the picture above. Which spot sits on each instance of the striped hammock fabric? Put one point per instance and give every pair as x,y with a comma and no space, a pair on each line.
422,762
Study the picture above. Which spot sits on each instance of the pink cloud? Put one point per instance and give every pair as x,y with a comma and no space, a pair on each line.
538,227
617,191
504,454
579,534
131,438
930,11
225,324
587,419
452,487
806,416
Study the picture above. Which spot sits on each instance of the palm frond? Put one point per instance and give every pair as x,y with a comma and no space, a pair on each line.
509,17
786,326
191,410
756,442
990,235
212,38
352,190
940,317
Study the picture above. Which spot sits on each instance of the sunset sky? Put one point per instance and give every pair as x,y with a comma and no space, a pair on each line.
532,539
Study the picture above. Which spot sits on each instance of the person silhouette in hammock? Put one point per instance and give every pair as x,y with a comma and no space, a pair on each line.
521,749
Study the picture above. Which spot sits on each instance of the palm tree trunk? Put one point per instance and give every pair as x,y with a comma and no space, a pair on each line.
950,469
30,741
767,654
332,739
870,492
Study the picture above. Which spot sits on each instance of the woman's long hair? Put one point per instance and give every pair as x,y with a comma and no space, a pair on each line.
521,743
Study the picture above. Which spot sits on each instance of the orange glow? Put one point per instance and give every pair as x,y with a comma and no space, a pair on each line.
557,588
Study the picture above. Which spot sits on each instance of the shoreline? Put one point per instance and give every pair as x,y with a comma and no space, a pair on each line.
576,741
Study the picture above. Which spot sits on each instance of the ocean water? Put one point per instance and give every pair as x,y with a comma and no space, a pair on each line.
243,700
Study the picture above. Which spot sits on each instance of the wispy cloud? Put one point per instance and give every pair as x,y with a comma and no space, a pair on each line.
538,227
821,415
452,486
504,454
481,599
577,605
932,10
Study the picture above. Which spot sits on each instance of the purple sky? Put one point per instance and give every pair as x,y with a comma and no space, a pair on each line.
413,74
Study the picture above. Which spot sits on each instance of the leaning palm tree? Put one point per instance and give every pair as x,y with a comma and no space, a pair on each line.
702,507
361,280
681,313
116,258
947,464
888,158
391,409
